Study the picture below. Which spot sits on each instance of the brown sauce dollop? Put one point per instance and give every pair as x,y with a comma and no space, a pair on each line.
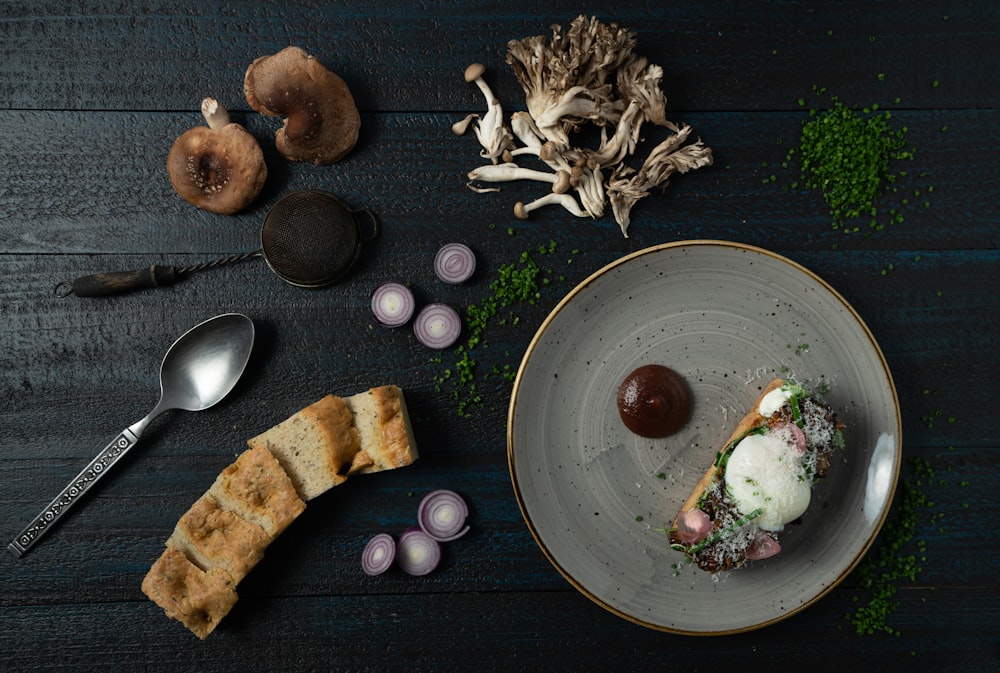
654,401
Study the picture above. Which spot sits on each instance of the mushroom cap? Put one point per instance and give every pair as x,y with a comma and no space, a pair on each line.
474,72
220,170
321,118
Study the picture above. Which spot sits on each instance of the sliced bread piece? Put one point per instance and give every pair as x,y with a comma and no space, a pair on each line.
258,489
212,537
387,440
196,598
315,446
264,490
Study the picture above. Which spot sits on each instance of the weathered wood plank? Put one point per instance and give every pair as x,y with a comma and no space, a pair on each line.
116,535
91,96
359,633
92,364
167,56
101,187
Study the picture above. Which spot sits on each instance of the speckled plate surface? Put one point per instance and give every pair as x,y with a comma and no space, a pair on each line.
729,318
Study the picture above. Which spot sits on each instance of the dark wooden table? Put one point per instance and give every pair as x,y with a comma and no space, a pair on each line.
93,96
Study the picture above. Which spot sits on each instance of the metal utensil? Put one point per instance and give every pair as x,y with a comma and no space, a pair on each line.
198,370
309,238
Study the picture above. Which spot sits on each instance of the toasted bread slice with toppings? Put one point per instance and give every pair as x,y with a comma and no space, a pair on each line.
761,479
748,423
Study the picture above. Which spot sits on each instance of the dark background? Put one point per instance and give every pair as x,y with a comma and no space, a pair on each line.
92,94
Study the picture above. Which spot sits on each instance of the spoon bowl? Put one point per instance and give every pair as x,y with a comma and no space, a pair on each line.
205,363
197,372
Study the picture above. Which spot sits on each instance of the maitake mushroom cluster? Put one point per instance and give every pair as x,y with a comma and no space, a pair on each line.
587,76
220,168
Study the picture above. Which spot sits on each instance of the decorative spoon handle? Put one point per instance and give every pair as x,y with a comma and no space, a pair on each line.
111,454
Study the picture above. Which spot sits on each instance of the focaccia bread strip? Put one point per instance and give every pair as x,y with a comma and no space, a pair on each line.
382,419
333,438
197,598
224,534
316,446
213,537
258,489
220,539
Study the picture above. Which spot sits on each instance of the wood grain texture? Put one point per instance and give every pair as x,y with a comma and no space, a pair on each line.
167,56
93,94
410,170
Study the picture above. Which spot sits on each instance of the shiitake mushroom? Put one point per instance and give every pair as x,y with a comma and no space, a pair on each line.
321,119
220,167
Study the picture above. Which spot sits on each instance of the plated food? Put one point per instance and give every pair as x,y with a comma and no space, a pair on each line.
760,481
227,530
729,318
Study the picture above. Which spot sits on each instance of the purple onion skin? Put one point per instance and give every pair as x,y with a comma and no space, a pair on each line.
426,520
368,564
453,326
423,566
454,263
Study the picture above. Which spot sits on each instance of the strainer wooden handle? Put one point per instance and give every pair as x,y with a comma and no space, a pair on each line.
120,282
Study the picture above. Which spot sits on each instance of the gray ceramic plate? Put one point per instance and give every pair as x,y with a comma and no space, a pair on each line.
729,318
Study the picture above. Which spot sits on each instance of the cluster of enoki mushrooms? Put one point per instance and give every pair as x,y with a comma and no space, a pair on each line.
587,76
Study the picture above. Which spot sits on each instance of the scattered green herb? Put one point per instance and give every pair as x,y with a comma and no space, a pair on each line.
852,157
899,552
893,560
517,284
848,155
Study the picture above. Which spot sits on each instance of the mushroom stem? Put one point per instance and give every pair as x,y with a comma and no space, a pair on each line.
474,74
524,128
460,127
490,130
590,187
521,210
216,116
510,172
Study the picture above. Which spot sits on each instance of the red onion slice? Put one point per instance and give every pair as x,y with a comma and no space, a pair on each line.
437,326
693,526
392,304
454,263
378,555
442,515
418,553
763,546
